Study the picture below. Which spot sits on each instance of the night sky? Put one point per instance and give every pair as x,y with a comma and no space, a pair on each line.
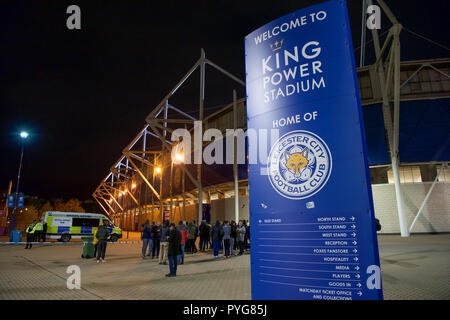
84,94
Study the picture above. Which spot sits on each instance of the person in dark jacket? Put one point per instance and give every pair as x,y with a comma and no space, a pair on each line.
233,235
30,235
216,235
44,231
173,250
204,234
146,231
156,231
150,241
102,235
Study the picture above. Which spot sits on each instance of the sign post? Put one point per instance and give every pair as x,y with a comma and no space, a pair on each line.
313,233
10,201
20,201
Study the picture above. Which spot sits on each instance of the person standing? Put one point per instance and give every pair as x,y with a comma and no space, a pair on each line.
192,235
226,238
202,230
102,235
209,236
150,241
95,242
241,236
145,237
173,249
233,235
216,236
184,237
30,235
156,230
164,245
197,233
38,227
44,231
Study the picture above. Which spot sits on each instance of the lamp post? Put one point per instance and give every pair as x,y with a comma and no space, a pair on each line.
23,136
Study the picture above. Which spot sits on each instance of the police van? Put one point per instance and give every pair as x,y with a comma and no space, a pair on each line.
74,225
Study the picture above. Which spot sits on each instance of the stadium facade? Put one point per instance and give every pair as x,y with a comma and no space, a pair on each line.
406,120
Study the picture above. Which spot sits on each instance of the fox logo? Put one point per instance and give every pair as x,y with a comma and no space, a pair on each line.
299,164
295,162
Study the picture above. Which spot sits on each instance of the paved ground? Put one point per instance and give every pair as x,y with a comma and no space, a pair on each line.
412,268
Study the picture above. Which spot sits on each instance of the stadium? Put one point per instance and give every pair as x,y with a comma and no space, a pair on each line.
406,120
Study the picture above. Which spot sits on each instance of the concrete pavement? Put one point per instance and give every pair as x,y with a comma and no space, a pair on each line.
412,268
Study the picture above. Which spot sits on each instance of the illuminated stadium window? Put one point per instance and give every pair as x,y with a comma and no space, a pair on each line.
445,174
410,174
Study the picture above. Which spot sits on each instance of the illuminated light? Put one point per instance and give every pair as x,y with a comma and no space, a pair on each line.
158,170
133,186
179,157
120,194
24,134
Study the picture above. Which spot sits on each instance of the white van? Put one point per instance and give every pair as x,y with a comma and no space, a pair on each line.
73,225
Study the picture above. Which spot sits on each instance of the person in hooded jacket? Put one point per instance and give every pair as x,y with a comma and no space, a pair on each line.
174,240
216,236
204,235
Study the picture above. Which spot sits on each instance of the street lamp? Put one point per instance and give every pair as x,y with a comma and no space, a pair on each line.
23,135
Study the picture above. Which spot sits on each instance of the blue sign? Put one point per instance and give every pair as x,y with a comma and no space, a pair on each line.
313,230
166,215
20,201
10,202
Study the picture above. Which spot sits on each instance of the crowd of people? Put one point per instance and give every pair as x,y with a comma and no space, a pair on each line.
169,242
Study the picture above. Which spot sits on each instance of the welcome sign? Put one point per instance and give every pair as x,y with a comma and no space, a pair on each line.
313,233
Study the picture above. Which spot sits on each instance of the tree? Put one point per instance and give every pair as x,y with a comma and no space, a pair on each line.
46,207
59,205
74,205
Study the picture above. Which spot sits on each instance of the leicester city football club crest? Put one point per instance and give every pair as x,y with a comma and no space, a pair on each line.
299,164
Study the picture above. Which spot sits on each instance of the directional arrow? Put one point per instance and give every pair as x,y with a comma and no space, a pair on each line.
355,251
354,242
357,268
352,218
358,276
355,258
354,234
353,226
359,293
358,284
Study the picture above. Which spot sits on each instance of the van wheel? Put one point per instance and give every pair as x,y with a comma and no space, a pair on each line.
65,238
114,238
